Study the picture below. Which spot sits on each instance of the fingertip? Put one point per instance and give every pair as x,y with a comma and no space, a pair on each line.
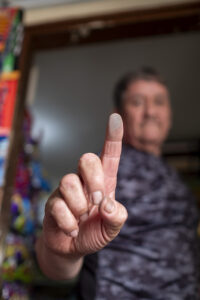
113,212
108,206
115,126
74,233
115,121
113,215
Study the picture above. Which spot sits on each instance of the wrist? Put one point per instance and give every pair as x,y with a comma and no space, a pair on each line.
56,266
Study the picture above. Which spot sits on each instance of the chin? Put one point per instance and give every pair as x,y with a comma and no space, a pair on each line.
151,136
150,142
152,139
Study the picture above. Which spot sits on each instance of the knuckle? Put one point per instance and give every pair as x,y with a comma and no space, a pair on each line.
88,158
52,198
98,180
68,181
81,208
55,207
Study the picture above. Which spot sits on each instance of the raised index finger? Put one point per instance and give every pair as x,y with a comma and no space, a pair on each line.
111,153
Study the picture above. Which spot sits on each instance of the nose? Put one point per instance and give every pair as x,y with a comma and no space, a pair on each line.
149,109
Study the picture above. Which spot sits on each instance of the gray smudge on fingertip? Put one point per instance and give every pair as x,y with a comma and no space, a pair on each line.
115,122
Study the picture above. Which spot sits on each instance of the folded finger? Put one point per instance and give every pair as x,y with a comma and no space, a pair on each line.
113,214
63,217
72,191
91,171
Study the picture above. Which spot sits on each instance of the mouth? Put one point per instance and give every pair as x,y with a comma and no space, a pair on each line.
150,122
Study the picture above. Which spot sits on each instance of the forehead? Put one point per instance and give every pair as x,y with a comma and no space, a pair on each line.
147,87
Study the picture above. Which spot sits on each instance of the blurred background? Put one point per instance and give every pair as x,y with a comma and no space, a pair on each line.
73,97
64,57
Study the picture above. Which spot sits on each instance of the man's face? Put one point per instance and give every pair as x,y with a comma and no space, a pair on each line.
146,114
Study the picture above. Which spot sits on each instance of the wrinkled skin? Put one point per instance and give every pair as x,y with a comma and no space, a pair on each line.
76,221
146,113
82,215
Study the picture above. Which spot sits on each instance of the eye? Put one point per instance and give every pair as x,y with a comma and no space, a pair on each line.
136,101
160,100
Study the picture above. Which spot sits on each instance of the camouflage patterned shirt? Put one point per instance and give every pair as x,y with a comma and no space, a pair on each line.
155,255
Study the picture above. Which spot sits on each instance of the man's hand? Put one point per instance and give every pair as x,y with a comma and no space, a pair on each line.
82,215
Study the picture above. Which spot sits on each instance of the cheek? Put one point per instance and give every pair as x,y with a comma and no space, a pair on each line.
133,117
167,119
166,122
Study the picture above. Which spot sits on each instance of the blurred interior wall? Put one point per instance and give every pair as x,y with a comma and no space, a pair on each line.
74,91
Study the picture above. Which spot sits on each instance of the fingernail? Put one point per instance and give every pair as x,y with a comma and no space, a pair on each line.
84,217
115,122
109,206
74,233
97,197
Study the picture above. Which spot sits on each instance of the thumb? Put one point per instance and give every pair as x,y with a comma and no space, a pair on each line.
113,215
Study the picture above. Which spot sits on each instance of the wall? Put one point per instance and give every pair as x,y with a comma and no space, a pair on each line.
73,97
